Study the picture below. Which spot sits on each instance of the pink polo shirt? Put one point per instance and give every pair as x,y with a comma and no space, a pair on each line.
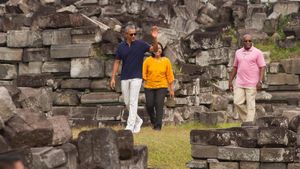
248,64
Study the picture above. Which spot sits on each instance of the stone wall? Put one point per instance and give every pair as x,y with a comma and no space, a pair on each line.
46,143
59,54
55,65
273,142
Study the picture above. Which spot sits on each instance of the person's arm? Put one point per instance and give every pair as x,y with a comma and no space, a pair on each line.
114,72
233,72
231,77
145,70
261,77
262,65
154,33
170,79
262,73
171,89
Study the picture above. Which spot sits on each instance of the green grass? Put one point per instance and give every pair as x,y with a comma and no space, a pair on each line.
231,32
278,53
169,148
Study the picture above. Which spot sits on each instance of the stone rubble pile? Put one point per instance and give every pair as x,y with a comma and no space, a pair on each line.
46,142
59,53
56,59
273,142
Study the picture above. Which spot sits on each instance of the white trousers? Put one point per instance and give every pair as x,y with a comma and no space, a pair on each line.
130,90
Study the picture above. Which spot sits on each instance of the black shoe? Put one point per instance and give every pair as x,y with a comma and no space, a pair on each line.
157,128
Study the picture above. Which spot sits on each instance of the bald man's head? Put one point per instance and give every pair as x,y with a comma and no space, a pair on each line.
247,41
247,36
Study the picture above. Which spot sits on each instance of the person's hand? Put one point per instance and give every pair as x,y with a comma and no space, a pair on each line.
230,86
258,85
172,94
154,31
112,83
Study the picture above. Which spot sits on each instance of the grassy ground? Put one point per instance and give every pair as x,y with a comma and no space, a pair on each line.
279,53
170,147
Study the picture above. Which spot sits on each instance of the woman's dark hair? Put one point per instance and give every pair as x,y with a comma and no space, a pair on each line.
162,50
8,159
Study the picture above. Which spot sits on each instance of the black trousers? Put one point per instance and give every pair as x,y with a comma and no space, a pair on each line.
155,105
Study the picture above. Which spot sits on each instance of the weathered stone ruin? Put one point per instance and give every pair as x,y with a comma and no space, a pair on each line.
55,65
46,143
272,143
60,53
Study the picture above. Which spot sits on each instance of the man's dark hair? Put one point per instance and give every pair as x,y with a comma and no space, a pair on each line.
8,159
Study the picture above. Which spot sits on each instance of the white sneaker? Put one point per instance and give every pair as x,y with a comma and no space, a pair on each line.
236,116
137,126
129,128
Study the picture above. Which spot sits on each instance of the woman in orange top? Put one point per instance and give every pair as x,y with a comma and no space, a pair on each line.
158,77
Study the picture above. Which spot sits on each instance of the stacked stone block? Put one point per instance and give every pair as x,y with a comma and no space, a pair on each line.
46,142
271,143
56,58
72,57
67,49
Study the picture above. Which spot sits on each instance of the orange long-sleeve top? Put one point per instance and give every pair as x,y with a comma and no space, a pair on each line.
157,72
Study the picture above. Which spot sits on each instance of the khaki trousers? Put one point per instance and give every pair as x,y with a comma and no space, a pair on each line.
240,95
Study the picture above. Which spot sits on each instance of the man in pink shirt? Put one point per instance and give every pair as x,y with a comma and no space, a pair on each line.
249,67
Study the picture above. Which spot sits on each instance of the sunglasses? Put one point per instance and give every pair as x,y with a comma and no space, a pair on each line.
131,34
247,40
